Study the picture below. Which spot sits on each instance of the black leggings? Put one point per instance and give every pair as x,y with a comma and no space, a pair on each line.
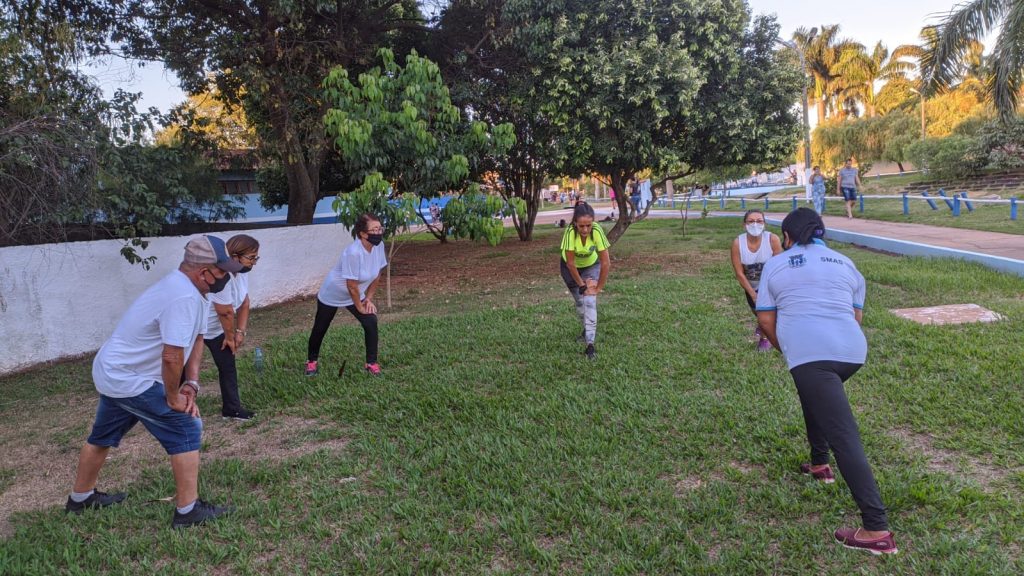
831,425
227,373
324,316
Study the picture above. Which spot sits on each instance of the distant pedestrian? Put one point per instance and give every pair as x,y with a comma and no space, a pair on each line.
810,305
147,371
818,190
228,325
351,285
848,182
750,251
584,266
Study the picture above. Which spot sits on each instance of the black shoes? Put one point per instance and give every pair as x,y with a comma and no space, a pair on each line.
201,513
242,414
96,500
590,352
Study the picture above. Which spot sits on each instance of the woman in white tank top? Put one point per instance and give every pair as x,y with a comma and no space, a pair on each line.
749,253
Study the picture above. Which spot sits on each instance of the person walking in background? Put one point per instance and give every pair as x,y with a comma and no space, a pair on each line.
810,305
848,182
227,325
138,373
818,190
351,284
749,253
584,267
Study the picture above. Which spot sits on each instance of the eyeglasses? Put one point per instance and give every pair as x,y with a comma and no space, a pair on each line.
250,257
375,231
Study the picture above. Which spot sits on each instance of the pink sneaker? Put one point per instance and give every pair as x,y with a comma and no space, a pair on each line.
373,369
877,546
765,345
311,368
825,475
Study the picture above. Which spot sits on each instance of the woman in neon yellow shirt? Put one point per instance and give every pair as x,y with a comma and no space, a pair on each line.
584,266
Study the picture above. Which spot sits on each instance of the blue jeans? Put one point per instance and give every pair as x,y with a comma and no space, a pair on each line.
177,432
849,194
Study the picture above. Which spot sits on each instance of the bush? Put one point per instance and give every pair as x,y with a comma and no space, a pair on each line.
946,158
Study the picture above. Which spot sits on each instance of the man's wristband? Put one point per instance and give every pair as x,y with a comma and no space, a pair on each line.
240,331
194,384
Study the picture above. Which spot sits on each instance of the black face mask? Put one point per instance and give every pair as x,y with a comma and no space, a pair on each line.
219,285
374,239
245,269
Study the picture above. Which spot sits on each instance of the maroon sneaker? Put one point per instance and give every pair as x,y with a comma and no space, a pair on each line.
824,475
877,546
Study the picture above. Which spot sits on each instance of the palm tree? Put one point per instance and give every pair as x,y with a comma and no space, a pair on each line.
860,71
961,30
823,51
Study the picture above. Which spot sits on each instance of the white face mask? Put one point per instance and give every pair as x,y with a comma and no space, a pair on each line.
755,229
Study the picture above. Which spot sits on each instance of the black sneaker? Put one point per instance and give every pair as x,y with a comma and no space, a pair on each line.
590,352
241,414
96,500
200,514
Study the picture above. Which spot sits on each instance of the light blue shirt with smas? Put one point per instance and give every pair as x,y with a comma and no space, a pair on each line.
814,291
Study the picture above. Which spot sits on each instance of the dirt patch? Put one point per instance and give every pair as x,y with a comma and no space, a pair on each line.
44,467
985,474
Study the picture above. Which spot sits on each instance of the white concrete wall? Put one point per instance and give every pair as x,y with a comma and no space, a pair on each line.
59,300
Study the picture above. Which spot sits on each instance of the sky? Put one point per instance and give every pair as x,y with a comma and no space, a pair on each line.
894,22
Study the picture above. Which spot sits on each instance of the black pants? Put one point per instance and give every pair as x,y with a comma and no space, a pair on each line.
324,316
227,374
831,425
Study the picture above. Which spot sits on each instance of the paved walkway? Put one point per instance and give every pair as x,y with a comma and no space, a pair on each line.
988,243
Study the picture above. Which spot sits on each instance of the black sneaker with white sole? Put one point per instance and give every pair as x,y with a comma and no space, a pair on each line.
201,513
95,500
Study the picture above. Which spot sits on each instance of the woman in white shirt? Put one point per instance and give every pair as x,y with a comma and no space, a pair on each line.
749,253
227,324
351,284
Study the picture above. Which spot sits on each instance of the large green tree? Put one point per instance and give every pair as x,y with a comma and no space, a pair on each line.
270,56
74,165
672,86
492,75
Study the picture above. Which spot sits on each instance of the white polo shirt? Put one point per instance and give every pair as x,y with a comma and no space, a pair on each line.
172,312
232,295
355,264
815,290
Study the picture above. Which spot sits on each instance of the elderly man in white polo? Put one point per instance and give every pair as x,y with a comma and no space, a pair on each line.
138,374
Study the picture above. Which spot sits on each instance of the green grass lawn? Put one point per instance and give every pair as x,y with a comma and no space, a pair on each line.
491,446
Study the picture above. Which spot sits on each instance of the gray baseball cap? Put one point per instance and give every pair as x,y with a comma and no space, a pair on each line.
211,250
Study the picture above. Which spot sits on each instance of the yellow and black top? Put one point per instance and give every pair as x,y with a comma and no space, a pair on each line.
586,249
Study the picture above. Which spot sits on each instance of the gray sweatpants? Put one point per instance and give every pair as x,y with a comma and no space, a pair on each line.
586,306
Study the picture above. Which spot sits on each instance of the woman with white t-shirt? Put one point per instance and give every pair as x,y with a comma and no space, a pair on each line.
227,324
351,284
749,253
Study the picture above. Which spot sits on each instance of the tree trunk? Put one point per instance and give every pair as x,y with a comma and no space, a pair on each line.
618,181
820,104
301,171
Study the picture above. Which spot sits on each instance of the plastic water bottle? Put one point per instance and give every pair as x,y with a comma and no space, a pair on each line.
259,360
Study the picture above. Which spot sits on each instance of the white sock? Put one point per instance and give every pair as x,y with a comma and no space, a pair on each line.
80,497
188,508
